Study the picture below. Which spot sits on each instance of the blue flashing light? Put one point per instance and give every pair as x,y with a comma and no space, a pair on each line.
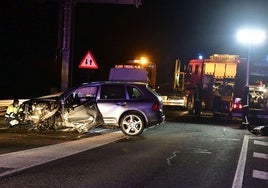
200,56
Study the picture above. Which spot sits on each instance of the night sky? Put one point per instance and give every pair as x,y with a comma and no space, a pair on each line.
161,30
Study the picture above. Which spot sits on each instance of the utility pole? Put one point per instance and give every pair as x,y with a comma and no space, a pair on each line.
66,11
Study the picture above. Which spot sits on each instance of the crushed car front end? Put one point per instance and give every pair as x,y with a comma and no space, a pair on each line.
54,113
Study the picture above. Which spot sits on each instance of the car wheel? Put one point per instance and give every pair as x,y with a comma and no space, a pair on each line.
132,124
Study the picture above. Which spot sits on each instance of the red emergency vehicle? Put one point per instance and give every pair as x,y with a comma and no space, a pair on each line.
205,84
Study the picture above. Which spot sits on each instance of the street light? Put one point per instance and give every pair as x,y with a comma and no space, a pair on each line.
249,37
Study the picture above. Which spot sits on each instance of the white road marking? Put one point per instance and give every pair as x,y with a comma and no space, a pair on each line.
257,173
239,174
230,139
260,155
260,174
257,137
257,142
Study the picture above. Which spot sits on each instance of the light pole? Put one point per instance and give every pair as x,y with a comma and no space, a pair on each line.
249,37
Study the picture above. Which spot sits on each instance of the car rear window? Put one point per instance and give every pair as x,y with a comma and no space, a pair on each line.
133,92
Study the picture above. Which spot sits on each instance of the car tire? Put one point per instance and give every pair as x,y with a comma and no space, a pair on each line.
132,124
190,104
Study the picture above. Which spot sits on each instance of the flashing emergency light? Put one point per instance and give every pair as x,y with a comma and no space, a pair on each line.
143,60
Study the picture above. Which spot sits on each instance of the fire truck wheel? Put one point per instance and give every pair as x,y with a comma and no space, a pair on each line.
190,104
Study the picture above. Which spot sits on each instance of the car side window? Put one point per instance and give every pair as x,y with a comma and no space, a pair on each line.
113,92
80,96
86,93
133,92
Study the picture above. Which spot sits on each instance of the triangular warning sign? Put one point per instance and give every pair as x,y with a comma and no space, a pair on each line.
88,62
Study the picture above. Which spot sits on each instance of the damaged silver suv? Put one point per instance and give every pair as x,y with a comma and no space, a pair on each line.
132,106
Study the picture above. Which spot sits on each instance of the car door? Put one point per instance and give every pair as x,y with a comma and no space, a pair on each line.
112,102
81,105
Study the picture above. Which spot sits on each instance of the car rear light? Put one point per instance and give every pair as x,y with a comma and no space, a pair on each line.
156,106
237,106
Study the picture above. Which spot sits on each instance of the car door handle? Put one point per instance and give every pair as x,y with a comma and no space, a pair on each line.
121,104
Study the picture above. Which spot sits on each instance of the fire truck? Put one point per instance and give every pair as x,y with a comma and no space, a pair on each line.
204,84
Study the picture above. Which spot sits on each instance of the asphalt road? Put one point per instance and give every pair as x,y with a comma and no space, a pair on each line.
170,155
183,152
